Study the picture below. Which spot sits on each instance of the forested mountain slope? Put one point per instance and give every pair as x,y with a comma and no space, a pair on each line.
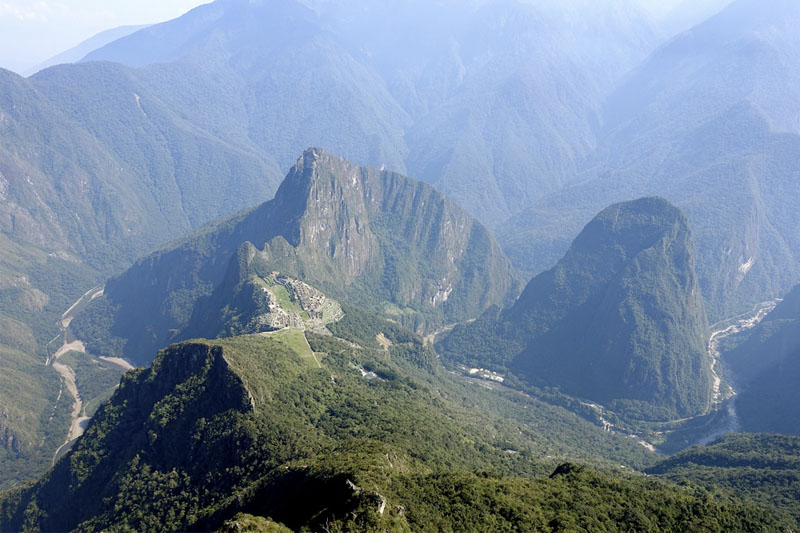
760,467
619,320
91,176
320,442
764,365
371,238
710,122
502,104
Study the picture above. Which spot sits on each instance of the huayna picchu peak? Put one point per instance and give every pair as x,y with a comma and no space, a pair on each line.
368,237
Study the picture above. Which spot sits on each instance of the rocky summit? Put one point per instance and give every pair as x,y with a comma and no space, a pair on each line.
371,238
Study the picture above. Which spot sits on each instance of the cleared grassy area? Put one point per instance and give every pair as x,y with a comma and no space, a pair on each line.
286,302
295,340
391,309
282,296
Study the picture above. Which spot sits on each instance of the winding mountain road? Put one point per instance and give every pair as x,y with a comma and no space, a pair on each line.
79,418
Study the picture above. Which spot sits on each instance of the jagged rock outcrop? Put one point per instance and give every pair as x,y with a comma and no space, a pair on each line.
371,238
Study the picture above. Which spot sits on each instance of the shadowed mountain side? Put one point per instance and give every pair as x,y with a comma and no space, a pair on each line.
619,320
710,122
375,239
764,364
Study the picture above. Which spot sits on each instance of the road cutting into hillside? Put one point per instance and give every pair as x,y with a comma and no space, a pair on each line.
79,418
68,376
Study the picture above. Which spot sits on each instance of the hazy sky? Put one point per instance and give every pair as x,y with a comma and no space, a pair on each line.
32,31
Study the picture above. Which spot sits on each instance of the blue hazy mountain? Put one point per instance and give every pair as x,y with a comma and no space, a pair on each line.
492,102
77,52
619,320
710,122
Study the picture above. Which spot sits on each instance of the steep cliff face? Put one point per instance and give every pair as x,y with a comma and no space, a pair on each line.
765,368
401,238
619,320
375,239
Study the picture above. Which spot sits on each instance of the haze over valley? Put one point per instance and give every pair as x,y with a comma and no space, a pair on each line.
405,265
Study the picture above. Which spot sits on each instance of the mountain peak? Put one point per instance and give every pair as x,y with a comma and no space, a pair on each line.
370,238
619,319
313,166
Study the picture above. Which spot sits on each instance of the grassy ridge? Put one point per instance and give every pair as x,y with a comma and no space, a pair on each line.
300,435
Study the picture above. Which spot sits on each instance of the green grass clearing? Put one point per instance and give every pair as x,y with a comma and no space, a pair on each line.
284,299
295,340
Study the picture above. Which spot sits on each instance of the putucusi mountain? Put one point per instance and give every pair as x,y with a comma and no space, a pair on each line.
371,238
619,320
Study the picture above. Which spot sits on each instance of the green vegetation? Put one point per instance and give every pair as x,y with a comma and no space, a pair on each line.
410,246
90,181
285,301
764,469
35,288
96,379
243,522
618,320
572,499
295,340
317,446
362,327
34,417
765,365
100,163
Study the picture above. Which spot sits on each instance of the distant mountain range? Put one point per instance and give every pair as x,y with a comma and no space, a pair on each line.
514,113
78,52
710,122
457,105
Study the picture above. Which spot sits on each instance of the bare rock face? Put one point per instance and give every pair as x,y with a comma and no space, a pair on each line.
410,243
9,440
365,237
